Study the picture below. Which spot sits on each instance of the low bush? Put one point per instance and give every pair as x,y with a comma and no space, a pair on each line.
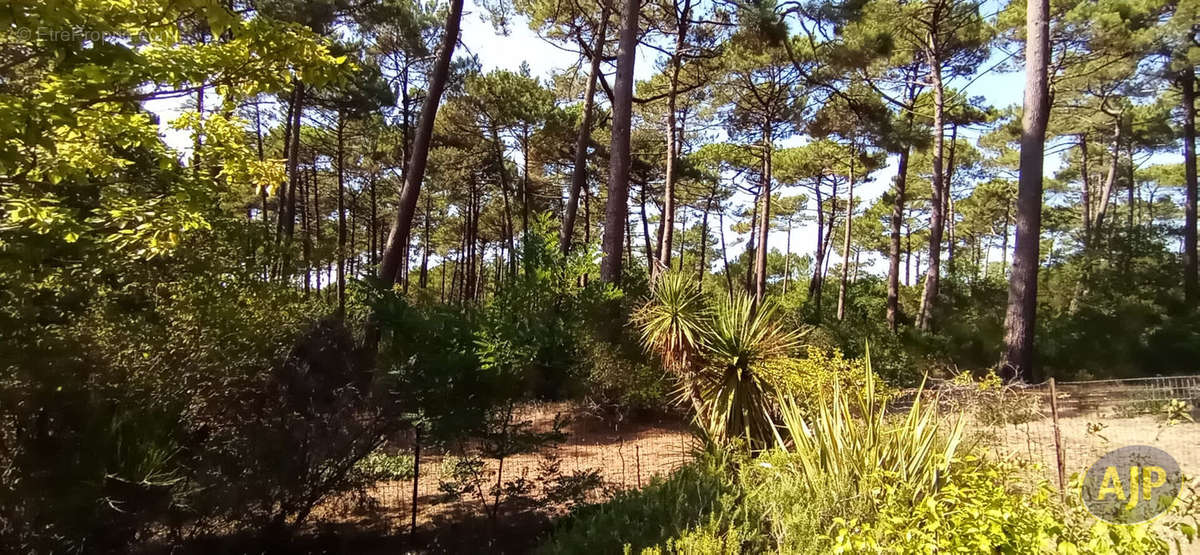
385,466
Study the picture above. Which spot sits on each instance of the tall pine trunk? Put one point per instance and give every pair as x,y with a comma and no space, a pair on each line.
616,207
339,161
938,188
897,221
1020,318
1188,88
668,214
841,309
764,219
396,249
579,173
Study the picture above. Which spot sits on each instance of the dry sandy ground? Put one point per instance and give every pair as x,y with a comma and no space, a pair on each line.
626,457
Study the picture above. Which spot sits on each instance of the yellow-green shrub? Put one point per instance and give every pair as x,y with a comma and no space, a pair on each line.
812,378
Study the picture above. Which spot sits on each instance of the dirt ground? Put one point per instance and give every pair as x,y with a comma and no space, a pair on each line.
627,456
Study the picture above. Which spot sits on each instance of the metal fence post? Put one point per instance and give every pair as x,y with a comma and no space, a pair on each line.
1058,447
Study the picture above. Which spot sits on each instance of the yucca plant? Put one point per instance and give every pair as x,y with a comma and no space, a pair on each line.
672,323
851,436
737,402
714,353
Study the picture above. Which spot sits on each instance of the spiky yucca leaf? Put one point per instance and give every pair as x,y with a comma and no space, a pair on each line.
837,444
672,324
672,321
738,402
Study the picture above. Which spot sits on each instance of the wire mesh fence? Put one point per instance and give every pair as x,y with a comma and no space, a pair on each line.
1027,425
449,485
1069,425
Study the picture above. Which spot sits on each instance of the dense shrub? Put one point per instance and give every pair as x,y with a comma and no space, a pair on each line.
809,379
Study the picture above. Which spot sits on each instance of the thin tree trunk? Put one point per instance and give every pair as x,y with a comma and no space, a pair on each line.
1020,318
579,174
938,189
397,244
949,198
646,228
341,208
907,255
893,286
1109,181
261,157
702,270
1191,289
318,215
525,181
841,310
1085,197
619,158
668,213
787,257
293,162
682,240
752,246
374,224
423,279
306,228
814,283
1004,244
508,224
725,252
764,220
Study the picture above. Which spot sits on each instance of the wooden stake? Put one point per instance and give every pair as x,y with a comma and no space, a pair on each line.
1058,447
637,453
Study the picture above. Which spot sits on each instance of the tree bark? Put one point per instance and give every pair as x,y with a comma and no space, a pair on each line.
841,309
423,279
787,256
341,208
764,219
619,158
814,283
579,173
725,252
933,275
1191,289
1085,197
646,227
702,270
397,244
668,214
1110,181
948,216
1020,319
893,286
508,219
